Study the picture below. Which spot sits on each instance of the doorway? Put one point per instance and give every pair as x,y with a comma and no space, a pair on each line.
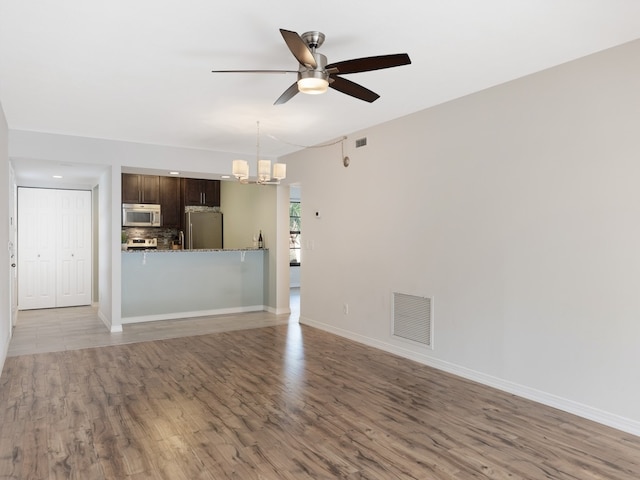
295,247
54,248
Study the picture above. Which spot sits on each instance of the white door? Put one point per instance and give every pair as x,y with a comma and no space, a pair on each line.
54,248
36,248
73,256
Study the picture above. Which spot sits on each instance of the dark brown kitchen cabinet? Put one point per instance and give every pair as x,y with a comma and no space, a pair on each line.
201,192
170,202
140,188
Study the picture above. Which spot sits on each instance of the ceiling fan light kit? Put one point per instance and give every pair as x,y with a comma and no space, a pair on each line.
312,83
315,75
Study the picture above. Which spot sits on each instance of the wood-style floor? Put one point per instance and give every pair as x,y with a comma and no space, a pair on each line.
57,329
281,402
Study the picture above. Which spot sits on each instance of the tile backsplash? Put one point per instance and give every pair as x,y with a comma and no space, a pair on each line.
165,236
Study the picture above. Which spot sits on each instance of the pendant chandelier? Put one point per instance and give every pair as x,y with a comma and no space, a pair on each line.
241,168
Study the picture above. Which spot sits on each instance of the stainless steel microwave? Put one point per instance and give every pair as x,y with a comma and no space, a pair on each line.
140,215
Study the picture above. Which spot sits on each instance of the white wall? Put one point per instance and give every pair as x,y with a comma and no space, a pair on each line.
518,210
5,209
67,148
279,283
108,267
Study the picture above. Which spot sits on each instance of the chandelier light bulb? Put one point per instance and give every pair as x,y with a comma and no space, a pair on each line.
279,171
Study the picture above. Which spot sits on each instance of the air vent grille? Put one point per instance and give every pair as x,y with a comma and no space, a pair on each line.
361,142
412,318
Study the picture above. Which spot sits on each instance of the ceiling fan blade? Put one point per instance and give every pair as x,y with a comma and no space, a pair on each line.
366,64
254,71
288,94
299,49
351,88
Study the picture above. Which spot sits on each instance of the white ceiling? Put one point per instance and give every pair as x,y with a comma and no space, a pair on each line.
140,70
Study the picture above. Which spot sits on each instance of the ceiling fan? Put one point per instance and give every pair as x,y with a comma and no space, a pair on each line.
315,74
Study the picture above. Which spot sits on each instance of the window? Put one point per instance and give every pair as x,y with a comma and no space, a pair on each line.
294,233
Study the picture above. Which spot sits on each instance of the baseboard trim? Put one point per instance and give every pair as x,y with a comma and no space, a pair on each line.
109,324
5,351
585,411
278,311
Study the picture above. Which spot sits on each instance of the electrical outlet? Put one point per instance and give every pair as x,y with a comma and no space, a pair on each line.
345,309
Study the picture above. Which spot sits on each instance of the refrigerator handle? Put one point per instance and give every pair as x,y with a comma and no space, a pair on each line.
190,236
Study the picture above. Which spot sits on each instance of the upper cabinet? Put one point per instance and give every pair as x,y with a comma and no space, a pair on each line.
140,188
171,193
198,191
170,202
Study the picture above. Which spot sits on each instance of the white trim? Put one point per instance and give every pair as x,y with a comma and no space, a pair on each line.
5,351
600,416
107,323
278,311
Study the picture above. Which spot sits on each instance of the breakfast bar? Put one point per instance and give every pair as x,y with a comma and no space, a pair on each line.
168,284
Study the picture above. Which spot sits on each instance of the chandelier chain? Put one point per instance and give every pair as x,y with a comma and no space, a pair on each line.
341,140
258,141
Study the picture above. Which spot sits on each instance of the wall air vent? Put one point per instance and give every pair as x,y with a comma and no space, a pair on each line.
361,142
413,318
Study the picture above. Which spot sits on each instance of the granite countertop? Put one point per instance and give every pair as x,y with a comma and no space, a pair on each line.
162,250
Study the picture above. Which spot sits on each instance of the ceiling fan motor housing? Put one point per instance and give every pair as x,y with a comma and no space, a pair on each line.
313,39
314,80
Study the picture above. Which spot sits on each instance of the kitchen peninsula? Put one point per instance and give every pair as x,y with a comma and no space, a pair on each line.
168,284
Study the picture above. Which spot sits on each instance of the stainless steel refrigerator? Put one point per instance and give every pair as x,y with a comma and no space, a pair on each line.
203,230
